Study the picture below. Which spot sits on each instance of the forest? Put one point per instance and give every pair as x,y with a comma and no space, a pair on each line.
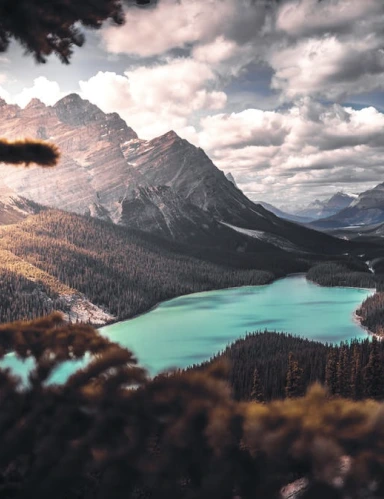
267,365
120,269
371,313
350,273
22,298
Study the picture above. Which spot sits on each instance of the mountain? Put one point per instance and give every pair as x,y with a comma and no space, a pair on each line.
164,185
284,214
366,209
14,208
276,211
321,209
231,178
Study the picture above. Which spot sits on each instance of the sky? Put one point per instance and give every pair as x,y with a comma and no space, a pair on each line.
287,96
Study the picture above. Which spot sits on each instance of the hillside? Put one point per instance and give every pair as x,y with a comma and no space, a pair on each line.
122,271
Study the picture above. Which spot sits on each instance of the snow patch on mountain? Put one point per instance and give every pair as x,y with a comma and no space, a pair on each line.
278,241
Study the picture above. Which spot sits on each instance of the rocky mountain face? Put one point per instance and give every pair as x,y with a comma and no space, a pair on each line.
321,209
14,208
231,178
366,209
165,185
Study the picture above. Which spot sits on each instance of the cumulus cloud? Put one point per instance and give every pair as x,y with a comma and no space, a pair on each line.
309,146
328,67
158,98
43,89
300,18
308,50
332,48
181,23
251,127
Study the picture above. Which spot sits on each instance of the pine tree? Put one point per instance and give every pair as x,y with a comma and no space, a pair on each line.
343,373
331,373
257,393
373,372
356,386
294,382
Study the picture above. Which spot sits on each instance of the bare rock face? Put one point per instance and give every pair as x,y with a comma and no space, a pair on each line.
92,169
165,185
14,208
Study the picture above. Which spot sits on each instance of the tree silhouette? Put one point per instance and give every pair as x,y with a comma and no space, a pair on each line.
331,372
373,372
257,393
294,384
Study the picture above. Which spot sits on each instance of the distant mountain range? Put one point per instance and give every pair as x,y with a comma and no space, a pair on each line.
284,214
326,208
366,209
165,186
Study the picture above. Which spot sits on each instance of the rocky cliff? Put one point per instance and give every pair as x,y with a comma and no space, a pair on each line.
165,185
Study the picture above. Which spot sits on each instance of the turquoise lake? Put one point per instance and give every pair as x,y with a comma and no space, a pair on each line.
192,328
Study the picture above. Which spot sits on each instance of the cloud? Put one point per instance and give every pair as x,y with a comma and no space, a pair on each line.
182,23
43,89
158,98
328,67
251,127
314,147
299,18
330,49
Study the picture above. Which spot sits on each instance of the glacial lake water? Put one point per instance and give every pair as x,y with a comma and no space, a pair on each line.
190,329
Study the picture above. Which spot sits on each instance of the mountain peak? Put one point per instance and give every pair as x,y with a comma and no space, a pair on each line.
70,99
231,178
171,135
35,103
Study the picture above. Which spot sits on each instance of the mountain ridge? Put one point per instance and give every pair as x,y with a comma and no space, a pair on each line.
328,207
366,209
107,171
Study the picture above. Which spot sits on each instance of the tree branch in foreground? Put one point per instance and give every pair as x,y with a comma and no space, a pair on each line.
25,152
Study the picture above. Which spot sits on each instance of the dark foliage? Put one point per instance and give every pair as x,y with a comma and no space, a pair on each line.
25,152
178,436
22,298
44,27
287,365
371,313
354,275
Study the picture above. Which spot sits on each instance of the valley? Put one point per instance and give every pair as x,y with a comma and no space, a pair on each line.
190,329
148,221
143,222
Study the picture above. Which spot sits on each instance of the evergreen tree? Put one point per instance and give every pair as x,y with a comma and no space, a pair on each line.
373,373
331,372
343,372
356,379
294,380
257,393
